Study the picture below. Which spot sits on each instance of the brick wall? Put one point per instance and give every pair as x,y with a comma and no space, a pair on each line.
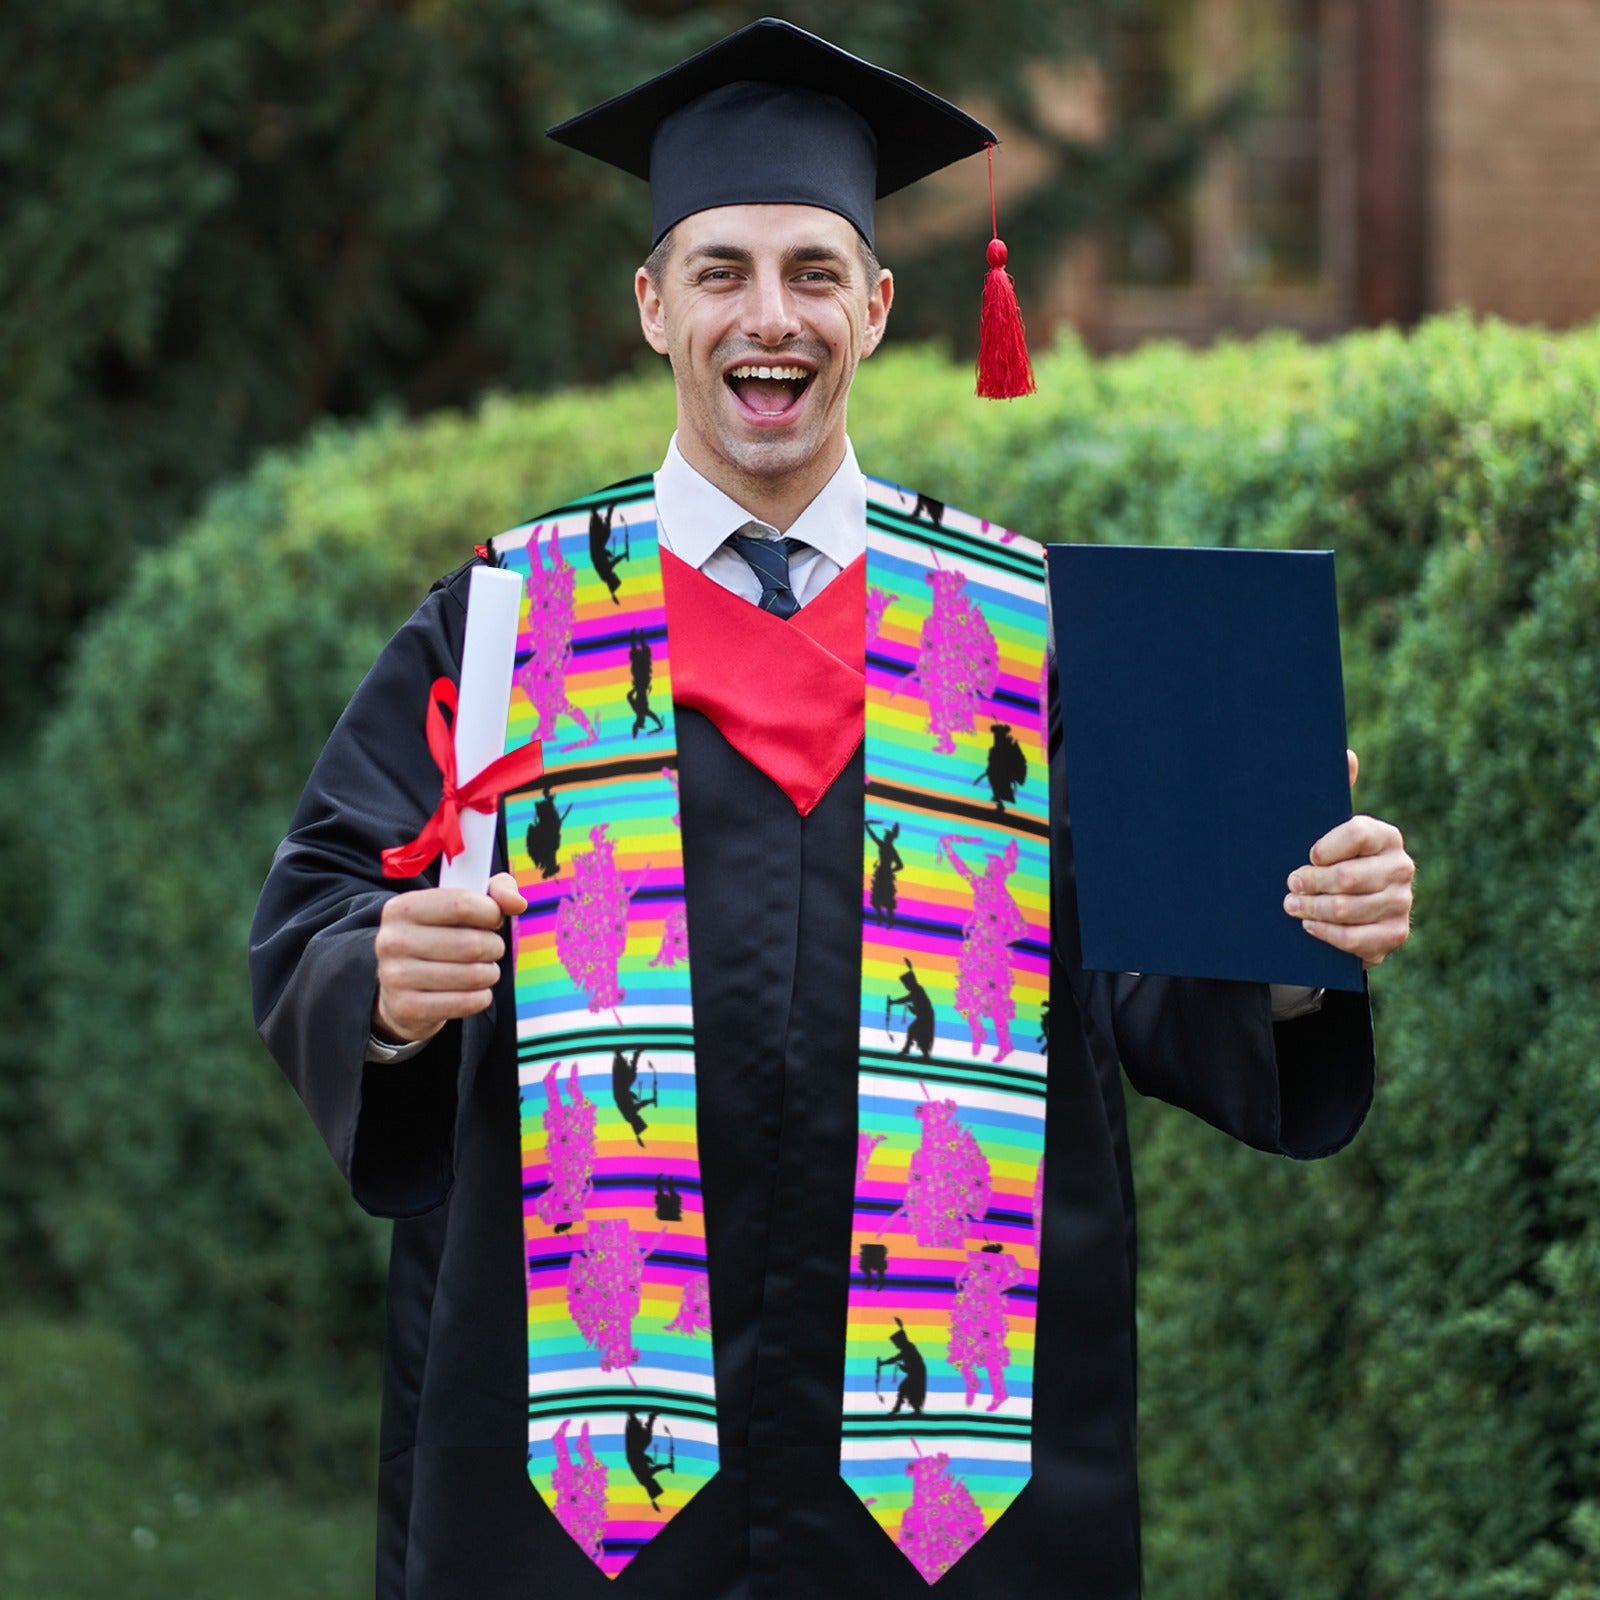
1514,177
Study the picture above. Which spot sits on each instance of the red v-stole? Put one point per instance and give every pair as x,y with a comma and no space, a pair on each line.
932,650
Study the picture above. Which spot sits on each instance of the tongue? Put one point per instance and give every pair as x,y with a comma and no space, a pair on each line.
770,395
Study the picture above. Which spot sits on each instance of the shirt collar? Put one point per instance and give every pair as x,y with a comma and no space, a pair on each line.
696,517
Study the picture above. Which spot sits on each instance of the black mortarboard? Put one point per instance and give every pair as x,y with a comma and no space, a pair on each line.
774,115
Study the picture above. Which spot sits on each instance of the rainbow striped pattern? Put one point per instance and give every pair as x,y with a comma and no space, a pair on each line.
944,1270
945,1252
621,1405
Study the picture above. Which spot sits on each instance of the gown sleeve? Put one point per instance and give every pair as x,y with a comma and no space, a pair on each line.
313,965
1300,1088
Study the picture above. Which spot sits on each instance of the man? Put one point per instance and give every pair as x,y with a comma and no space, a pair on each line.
542,1299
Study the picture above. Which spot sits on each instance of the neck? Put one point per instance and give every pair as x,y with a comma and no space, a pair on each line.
778,500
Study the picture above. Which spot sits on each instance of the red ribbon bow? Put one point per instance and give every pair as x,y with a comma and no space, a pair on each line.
442,832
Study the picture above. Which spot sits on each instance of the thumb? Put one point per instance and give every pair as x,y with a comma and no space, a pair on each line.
1354,762
504,892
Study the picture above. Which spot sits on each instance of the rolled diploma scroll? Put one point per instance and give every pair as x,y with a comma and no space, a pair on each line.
494,609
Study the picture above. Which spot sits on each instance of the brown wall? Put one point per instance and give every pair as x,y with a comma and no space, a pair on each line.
1514,165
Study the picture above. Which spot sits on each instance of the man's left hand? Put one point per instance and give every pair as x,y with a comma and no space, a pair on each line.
1355,893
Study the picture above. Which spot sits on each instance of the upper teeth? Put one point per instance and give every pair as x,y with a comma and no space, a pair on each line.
768,372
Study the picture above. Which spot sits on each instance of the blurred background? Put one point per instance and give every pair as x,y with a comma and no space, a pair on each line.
297,305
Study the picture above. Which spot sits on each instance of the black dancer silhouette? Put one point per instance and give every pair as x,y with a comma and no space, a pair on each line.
1007,766
642,668
601,557
638,1435
875,1265
919,1012
907,1360
885,893
624,1075
932,509
1044,1029
544,835
669,1203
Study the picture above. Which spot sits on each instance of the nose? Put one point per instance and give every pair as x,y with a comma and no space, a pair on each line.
771,318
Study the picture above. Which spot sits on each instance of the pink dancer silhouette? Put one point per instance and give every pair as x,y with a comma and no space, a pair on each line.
674,939
672,777
1038,1209
948,1183
592,922
694,1310
603,1287
983,971
978,1323
957,662
543,676
943,1521
569,1149
866,1143
580,1491
878,602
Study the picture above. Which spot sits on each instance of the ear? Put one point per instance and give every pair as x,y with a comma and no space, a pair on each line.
879,299
652,314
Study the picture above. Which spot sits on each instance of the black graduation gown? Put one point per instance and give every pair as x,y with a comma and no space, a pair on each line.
774,903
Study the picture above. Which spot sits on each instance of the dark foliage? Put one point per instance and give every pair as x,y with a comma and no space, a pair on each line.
218,224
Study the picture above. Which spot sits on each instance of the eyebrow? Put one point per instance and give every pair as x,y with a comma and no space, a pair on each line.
738,255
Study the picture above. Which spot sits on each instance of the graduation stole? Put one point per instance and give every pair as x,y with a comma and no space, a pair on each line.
937,1404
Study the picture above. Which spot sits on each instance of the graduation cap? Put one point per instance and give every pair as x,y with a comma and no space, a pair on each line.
773,115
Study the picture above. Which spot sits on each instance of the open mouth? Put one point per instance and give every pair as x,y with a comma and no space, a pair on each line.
769,391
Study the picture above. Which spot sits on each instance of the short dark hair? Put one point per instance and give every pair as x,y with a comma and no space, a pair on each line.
656,262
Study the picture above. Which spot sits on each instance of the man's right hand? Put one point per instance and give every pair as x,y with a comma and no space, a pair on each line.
439,953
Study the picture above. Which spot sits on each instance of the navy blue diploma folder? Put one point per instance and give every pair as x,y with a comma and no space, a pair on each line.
1202,713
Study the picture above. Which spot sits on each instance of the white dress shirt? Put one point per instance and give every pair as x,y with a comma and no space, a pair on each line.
694,518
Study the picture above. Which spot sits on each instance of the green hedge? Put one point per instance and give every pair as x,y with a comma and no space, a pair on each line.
1378,1377
1371,1378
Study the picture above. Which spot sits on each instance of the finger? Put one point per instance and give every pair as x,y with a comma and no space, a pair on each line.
1357,875
1389,903
414,1015
504,892
448,908
425,941
1371,942
1353,761
435,977
1360,836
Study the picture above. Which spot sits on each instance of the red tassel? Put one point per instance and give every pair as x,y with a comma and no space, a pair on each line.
1004,370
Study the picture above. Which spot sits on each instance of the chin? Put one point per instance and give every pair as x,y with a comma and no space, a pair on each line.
771,457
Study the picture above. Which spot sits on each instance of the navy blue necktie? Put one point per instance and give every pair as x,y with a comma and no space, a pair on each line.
769,560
